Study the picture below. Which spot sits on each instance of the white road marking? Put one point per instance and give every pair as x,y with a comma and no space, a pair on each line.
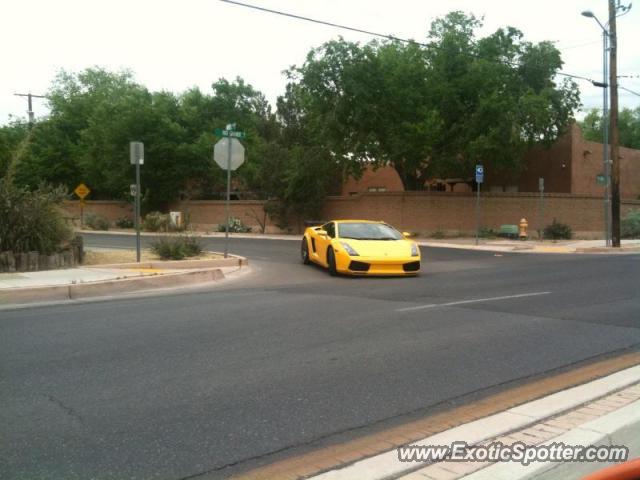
477,300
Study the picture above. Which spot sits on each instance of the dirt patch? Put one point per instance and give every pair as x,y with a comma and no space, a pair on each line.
104,257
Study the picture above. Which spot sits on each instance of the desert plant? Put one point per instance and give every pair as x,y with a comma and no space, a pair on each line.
235,226
630,225
32,220
96,221
177,248
558,231
124,222
156,222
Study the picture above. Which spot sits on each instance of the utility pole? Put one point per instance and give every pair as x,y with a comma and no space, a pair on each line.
613,127
29,96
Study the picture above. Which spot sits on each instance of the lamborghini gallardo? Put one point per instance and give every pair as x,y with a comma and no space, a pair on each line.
360,247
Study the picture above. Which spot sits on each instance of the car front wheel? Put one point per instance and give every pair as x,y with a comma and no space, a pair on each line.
331,260
304,252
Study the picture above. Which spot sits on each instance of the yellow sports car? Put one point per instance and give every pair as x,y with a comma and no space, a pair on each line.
360,247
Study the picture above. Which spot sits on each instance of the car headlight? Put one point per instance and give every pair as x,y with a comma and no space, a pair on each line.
415,251
349,249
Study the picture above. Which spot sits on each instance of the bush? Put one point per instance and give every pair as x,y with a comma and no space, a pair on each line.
124,222
32,220
96,222
235,226
486,232
438,234
558,231
177,248
630,225
156,222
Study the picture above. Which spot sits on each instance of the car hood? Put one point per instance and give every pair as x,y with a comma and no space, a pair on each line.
384,248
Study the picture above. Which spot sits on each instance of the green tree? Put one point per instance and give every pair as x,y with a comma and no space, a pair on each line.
434,110
628,126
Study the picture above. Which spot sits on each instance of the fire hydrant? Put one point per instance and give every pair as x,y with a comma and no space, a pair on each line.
522,231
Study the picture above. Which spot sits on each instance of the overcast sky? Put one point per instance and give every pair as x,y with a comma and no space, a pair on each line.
175,45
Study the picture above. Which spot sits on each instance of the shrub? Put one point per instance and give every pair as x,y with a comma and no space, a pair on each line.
558,231
438,234
32,220
177,248
96,222
235,226
124,222
630,225
486,232
156,222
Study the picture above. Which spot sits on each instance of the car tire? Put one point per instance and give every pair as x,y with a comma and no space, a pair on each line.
304,252
331,261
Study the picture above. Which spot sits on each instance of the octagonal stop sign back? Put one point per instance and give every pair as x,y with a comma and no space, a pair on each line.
221,152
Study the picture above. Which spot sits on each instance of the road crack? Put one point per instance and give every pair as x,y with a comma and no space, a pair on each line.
69,411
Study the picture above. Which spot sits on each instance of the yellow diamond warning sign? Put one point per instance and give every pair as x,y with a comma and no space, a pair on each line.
82,191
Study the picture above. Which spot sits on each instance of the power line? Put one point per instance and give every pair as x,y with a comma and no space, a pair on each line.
375,34
627,90
321,22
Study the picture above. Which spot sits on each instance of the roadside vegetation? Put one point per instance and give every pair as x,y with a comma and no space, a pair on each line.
31,220
630,225
177,248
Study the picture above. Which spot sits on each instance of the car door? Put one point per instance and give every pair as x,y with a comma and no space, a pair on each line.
323,240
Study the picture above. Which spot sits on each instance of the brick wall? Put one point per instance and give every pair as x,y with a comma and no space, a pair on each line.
111,209
426,212
422,212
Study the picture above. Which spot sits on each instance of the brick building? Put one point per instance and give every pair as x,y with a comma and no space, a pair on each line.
571,165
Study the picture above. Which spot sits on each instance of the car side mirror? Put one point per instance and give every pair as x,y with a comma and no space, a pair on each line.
324,233
407,234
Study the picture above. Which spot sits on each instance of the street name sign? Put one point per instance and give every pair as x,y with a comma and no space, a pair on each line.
229,133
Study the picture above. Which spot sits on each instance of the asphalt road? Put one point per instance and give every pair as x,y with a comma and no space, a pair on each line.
204,384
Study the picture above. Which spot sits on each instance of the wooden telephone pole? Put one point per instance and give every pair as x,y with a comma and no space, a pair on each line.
614,137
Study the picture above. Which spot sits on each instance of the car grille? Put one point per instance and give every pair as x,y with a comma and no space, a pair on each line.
358,266
411,267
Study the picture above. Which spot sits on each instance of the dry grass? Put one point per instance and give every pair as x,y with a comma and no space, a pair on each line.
104,257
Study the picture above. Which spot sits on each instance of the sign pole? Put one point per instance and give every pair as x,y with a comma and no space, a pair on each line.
82,213
478,213
226,228
138,210
479,180
136,154
541,207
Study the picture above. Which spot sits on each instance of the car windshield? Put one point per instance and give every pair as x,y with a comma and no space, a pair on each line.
368,231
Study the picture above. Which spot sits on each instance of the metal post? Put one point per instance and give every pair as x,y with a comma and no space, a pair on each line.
613,128
478,212
137,213
605,140
541,209
226,228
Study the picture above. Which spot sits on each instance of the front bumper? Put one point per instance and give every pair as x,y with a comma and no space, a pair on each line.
403,266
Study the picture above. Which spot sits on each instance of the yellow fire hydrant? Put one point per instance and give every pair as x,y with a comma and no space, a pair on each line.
522,231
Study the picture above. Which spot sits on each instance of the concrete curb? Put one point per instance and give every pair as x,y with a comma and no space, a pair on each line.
386,465
232,261
109,287
616,428
258,236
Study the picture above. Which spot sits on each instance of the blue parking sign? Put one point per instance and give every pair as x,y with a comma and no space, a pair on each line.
479,173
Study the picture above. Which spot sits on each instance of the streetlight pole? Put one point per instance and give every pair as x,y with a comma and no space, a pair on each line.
613,119
610,121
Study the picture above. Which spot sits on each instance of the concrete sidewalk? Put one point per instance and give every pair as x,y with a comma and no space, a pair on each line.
71,276
533,246
19,288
